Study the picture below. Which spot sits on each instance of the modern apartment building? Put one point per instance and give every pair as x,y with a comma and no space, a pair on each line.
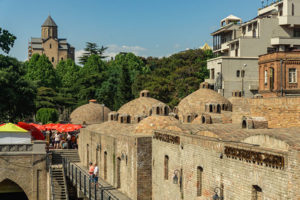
238,44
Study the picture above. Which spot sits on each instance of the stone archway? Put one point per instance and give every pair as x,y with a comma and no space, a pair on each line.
11,190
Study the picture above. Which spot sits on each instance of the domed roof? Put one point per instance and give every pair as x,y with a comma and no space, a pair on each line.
91,113
139,106
156,122
195,102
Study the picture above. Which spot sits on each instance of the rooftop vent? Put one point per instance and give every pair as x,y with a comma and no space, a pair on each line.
145,93
113,116
254,123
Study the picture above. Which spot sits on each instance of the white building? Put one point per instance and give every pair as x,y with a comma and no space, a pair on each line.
237,46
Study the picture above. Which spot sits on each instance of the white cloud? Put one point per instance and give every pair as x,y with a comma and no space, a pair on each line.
114,49
78,54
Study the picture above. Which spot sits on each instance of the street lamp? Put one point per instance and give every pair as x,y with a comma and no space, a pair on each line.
242,75
175,177
216,196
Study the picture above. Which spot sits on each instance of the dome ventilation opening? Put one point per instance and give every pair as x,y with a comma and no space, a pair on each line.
145,93
254,123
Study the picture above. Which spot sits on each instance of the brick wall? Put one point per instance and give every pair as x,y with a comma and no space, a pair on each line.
235,176
280,112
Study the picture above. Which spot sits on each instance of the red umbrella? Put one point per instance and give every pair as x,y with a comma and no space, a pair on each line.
48,126
38,126
36,133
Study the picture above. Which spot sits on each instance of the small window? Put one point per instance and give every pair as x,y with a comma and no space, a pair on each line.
199,181
292,75
238,73
166,170
296,32
62,58
266,77
50,46
293,9
256,193
212,71
52,59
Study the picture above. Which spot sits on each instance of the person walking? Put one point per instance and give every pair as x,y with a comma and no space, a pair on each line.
57,140
91,172
96,174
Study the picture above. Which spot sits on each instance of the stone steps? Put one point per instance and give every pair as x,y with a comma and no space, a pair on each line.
59,184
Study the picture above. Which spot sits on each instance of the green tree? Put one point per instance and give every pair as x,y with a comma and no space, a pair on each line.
67,72
40,70
7,40
47,115
17,94
92,49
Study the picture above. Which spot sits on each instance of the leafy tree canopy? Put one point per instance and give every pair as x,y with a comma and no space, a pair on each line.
7,40
17,94
92,49
40,70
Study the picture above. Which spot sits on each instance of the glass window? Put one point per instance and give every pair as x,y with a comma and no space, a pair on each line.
266,77
297,32
292,75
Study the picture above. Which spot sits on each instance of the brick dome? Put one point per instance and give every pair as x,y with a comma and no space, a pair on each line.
140,106
155,122
195,103
91,113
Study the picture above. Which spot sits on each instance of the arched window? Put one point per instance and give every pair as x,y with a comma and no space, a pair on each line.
166,110
189,119
210,108
105,165
50,46
166,168
203,119
218,108
199,181
52,59
157,110
244,124
128,119
62,58
118,172
256,192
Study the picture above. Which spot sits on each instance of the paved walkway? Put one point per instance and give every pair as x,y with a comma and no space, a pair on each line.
103,184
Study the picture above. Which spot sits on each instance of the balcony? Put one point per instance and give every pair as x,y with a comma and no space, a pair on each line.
289,20
285,41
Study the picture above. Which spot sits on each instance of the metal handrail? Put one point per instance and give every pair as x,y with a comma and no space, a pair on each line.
87,188
51,186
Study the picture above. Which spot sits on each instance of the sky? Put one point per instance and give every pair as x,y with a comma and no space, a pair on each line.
145,27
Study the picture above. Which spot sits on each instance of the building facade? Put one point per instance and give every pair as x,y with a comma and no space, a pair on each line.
54,48
241,148
278,74
237,46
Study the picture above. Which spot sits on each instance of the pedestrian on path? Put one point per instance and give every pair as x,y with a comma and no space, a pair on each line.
91,172
96,174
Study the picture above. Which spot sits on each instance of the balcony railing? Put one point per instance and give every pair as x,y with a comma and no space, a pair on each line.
16,147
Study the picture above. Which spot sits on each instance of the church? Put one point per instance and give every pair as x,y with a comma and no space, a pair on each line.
54,48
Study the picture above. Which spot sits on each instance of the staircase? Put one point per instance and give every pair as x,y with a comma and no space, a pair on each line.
70,154
58,181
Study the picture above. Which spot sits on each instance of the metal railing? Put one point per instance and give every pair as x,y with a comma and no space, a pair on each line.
82,181
51,185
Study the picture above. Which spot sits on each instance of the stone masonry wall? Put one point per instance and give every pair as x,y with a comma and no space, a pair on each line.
280,112
236,177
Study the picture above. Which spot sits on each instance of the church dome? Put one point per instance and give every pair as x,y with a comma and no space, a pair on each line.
156,122
197,103
91,113
140,106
